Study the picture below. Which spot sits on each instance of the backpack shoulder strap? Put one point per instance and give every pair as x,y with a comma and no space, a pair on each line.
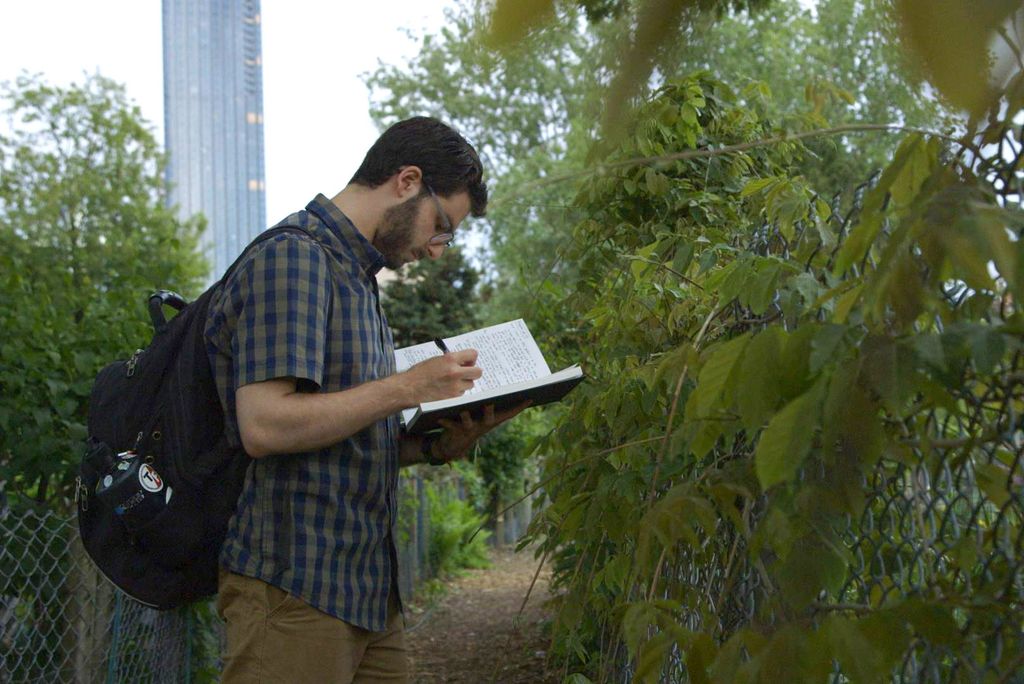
161,297
262,237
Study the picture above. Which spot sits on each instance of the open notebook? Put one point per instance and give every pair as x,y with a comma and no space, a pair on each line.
514,370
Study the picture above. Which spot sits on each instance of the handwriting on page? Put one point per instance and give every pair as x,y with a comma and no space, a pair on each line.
410,356
508,354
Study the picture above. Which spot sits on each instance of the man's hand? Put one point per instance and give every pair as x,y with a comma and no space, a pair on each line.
459,436
441,377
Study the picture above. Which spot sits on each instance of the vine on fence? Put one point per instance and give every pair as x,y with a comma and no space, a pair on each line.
774,376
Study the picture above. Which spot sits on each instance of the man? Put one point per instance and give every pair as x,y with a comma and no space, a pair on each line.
304,362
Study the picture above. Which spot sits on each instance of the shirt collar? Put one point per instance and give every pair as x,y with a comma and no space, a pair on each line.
367,255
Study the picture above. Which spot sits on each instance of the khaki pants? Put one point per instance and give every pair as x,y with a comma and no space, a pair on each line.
275,637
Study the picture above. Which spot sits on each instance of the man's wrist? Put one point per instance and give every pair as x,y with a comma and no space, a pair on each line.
400,391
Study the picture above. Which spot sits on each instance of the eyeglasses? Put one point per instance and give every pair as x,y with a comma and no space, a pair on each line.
448,235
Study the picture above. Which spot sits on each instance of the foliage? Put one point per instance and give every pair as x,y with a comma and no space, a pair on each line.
800,453
755,359
204,632
952,40
456,541
502,458
432,298
851,70
532,109
656,23
85,236
949,39
529,115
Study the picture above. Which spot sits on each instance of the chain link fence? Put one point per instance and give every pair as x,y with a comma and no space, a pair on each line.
942,521
62,621
928,530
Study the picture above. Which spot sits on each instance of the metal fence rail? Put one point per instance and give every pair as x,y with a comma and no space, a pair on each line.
62,621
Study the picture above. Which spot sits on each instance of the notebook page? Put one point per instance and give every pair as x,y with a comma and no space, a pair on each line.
507,354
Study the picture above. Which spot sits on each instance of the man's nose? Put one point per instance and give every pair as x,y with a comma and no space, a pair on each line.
435,251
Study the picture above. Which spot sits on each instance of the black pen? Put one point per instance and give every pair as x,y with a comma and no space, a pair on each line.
441,345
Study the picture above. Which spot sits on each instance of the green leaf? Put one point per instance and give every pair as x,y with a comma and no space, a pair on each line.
791,656
761,290
652,657
857,655
757,185
929,349
577,678
825,344
987,348
758,377
811,566
808,287
57,388
794,362
846,303
918,166
683,257
708,259
863,235
993,479
715,379
512,19
932,621
787,439
636,624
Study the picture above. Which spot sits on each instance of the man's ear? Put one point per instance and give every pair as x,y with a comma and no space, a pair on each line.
408,181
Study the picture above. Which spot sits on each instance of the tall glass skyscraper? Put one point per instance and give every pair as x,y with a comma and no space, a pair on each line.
213,120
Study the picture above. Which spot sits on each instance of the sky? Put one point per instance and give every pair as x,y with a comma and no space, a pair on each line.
317,47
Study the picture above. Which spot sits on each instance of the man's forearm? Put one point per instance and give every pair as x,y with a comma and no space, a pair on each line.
274,418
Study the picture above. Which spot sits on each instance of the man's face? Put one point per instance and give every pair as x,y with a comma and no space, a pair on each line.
404,232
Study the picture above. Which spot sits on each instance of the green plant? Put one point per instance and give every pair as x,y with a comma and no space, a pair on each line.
85,236
780,386
453,522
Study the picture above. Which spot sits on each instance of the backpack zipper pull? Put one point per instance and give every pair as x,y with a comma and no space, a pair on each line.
81,494
132,362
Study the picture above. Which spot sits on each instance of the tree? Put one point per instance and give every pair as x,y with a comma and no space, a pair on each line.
767,380
531,114
841,64
534,109
432,298
85,236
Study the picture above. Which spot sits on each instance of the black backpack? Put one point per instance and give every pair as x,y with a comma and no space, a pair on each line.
161,478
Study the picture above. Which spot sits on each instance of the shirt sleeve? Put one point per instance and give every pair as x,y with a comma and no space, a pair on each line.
283,293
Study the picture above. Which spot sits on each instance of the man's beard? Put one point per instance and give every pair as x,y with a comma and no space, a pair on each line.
393,238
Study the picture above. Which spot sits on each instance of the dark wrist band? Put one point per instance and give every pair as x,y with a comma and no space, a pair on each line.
427,447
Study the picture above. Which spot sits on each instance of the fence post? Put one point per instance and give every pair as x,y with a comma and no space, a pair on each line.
421,529
499,523
115,640
412,548
188,645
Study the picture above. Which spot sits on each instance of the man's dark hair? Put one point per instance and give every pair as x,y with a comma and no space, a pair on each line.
449,163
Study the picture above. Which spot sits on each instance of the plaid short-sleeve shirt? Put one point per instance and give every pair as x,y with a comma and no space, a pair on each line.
319,525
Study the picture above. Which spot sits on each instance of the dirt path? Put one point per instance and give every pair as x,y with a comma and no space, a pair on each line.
471,634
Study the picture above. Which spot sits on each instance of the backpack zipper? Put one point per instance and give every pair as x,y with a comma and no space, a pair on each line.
132,362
